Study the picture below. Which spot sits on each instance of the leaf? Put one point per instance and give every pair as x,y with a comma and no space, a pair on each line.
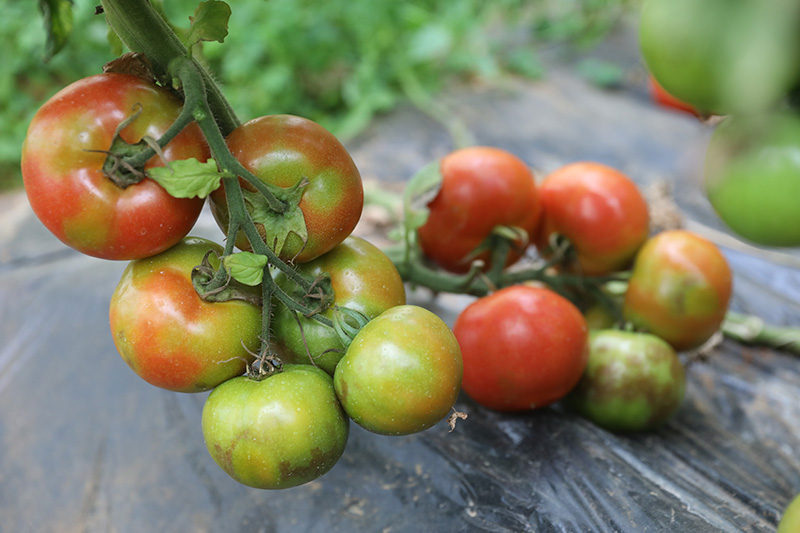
278,226
422,188
246,267
187,178
601,73
58,24
209,23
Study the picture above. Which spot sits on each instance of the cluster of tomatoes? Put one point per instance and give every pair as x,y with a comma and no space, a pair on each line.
560,329
740,60
322,336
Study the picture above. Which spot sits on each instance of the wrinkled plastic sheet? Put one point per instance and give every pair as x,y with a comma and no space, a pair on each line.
87,446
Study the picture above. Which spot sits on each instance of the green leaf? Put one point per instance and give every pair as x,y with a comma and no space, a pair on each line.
188,178
246,267
57,23
601,73
278,226
209,23
422,188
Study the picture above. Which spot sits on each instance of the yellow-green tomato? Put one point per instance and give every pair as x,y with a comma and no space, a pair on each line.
632,382
280,432
790,521
402,373
364,280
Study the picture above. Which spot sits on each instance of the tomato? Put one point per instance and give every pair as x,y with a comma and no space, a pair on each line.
171,337
599,210
402,372
790,521
664,99
283,150
62,162
752,177
364,280
524,347
280,432
721,56
632,382
482,188
679,289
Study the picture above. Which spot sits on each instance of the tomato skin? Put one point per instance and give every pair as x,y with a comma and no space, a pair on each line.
482,187
364,279
599,210
679,289
168,335
632,382
790,520
524,347
280,432
402,372
64,181
752,177
284,149
664,99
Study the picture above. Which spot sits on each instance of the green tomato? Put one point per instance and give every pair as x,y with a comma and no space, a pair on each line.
752,177
402,373
280,432
632,382
722,56
364,280
790,521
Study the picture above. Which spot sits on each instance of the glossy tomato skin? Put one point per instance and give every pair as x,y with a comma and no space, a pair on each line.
62,160
364,280
168,335
720,56
402,372
284,149
632,382
280,432
664,99
524,347
482,187
752,177
599,210
679,289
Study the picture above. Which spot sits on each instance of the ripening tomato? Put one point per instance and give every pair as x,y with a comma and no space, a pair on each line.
679,289
282,431
721,56
402,372
63,156
666,100
364,280
171,337
482,188
752,177
524,347
282,150
632,382
599,210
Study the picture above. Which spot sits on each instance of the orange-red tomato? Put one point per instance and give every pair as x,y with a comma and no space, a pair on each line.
665,99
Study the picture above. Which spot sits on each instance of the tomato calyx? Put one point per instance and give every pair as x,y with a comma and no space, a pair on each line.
218,285
265,365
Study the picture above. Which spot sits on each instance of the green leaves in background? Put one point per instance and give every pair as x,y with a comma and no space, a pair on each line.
58,23
209,23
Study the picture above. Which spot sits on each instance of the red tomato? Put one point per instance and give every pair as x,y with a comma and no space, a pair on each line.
523,348
599,210
282,150
679,289
62,160
664,99
171,337
482,188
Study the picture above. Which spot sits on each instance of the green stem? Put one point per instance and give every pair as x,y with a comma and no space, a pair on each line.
749,329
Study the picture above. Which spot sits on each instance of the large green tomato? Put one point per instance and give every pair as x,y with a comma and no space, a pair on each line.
752,177
402,373
632,382
280,432
790,521
722,56
364,280
171,337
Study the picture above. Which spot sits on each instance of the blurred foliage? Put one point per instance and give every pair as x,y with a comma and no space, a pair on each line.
336,62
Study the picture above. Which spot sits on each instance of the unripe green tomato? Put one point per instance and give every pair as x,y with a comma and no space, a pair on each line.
402,372
280,432
722,56
363,279
752,177
632,382
790,521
